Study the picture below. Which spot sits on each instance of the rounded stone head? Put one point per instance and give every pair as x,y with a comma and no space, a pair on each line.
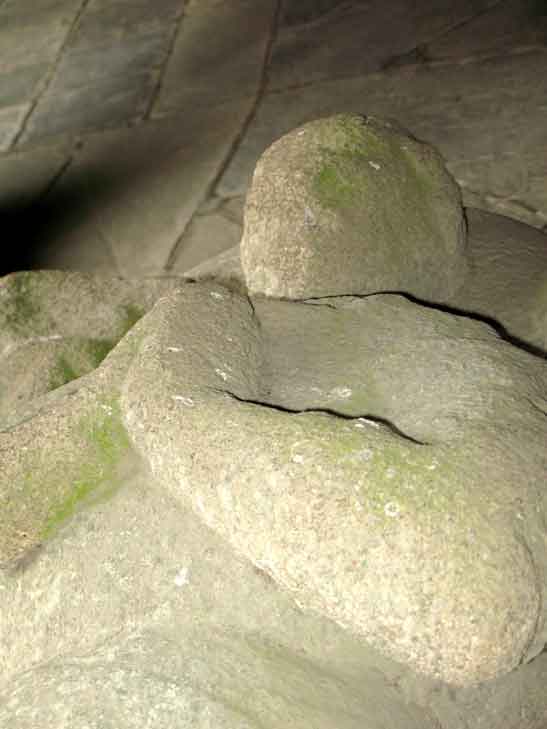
352,205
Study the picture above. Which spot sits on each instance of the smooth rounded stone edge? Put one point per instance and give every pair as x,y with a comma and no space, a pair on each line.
352,205
239,473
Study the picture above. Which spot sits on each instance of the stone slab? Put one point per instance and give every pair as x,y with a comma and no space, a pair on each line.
24,178
137,189
295,13
11,121
122,21
218,54
25,175
20,84
79,251
34,36
486,118
327,46
92,65
507,27
115,101
109,69
207,235
30,41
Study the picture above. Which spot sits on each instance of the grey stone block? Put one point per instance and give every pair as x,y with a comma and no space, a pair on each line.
111,102
133,57
218,55
11,120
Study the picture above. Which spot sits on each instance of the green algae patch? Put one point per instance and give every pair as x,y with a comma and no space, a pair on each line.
105,444
78,358
349,151
132,315
65,457
337,183
21,306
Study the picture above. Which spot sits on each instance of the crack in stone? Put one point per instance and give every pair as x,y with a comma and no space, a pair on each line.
324,411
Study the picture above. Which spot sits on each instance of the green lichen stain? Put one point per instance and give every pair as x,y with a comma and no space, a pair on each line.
84,355
98,349
132,315
391,477
97,478
21,306
79,358
65,373
366,169
334,184
347,145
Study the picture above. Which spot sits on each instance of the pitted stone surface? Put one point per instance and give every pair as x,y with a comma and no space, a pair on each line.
408,546
352,205
126,616
450,524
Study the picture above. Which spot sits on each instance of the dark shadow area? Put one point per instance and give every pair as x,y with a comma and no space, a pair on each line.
22,229
33,229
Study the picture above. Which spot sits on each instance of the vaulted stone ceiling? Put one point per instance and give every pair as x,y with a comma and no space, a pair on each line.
129,128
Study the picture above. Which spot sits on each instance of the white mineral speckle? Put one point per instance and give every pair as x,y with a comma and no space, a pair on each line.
174,349
341,392
216,295
297,458
374,165
309,218
225,496
390,473
363,422
184,400
392,509
221,373
181,578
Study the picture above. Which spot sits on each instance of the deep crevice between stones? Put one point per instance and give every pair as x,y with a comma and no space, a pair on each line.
324,411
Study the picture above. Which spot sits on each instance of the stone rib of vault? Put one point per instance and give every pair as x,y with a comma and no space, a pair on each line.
243,492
